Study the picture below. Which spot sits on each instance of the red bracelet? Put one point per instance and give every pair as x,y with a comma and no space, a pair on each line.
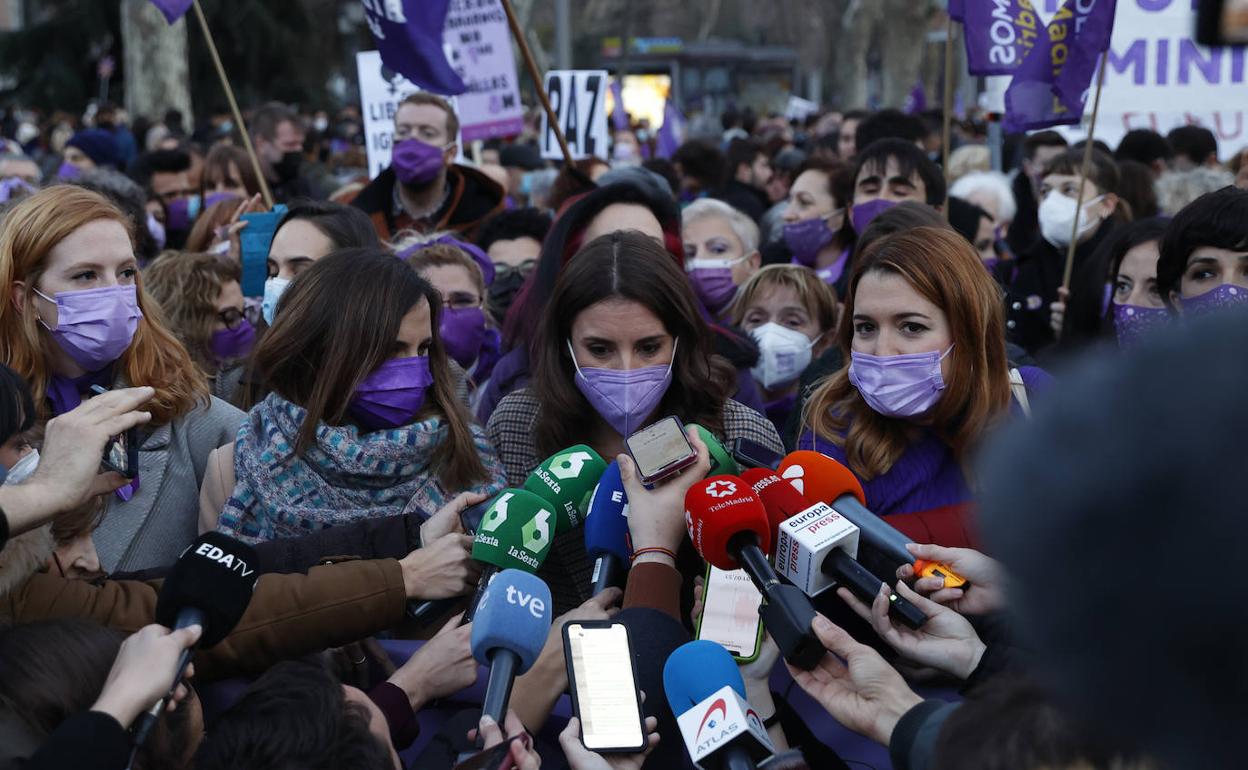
654,549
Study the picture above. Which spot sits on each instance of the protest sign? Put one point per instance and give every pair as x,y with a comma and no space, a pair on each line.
480,51
579,99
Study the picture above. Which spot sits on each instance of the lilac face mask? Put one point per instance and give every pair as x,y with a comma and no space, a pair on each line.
157,230
807,238
712,281
67,172
233,343
901,386
624,397
1224,296
416,163
1133,323
95,326
463,332
393,394
865,213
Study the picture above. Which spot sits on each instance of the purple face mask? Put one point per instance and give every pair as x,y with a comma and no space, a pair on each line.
180,216
95,326
807,238
901,386
865,213
1133,323
463,332
1224,296
415,162
393,394
233,343
68,171
712,281
624,397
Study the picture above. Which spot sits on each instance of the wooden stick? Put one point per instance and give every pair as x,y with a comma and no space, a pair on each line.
947,129
1083,175
238,116
551,118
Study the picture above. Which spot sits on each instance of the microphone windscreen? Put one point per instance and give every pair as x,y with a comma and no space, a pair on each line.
780,499
696,670
722,461
216,575
516,531
717,509
819,478
606,525
566,480
514,614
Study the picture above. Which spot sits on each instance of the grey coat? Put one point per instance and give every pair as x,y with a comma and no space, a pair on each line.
153,527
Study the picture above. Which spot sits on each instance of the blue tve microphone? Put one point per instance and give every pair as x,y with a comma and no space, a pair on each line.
707,694
606,530
508,633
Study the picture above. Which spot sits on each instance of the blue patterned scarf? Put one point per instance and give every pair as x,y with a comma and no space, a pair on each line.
345,476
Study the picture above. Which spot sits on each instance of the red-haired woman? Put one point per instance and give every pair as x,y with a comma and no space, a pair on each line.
75,315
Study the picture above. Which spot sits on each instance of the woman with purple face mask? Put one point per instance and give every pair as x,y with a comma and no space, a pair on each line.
362,421
1203,266
721,252
814,220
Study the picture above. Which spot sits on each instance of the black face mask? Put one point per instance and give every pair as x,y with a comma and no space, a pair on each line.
288,167
502,293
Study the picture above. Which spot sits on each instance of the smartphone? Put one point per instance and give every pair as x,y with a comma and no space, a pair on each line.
752,454
661,449
603,681
471,516
254,241
494,758
730,613
121,454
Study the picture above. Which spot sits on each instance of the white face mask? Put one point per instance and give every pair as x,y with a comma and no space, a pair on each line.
23,468
273,290
783,354
1057,215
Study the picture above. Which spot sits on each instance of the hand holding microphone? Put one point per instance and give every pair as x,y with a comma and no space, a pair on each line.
137,679
443,568
509,632
984,593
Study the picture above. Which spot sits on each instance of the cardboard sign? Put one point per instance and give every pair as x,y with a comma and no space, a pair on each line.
479,44
579,98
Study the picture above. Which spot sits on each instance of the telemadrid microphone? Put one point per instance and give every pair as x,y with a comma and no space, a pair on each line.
729,528
820,478
706,693
515,533
817,548
513,621
566,480
211,584
606,531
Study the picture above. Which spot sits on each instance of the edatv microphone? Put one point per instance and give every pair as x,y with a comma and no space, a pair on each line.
820,478
211,584
606,531
729,528
706,693
510,630
566,480
515,533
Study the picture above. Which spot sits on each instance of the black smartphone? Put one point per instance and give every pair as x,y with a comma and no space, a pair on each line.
752,454
121,454
603,681
471,516
494,758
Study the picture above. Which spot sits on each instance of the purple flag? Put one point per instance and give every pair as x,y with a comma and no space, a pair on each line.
619,118
409,38
957,10
172,9
672,132
916,102
999,33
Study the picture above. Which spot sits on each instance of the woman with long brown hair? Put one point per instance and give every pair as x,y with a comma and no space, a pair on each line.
75,315
924,332
362,420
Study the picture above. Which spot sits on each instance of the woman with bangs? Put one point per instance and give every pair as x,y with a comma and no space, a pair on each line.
77,316
924,333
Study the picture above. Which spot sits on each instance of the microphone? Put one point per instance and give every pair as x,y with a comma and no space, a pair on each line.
729,528
722,461
513,621
706,693
566,481
606,531
817,548
515,533
819,477
211,584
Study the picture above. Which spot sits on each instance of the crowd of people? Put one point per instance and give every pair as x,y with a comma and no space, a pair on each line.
425,338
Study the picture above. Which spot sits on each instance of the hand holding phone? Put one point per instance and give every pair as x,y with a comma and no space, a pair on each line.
661,450
121,454
604,686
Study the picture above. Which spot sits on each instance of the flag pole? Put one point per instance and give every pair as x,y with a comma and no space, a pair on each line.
947,130
552,119
238,116
1083,175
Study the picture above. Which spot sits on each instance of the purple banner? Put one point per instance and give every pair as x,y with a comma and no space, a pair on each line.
619,118
999,33
409,38
672,132
172,9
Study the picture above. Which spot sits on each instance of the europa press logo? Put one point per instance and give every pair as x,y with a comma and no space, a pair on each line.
709,720
721,488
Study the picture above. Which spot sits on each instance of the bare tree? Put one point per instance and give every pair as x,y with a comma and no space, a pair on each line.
156,65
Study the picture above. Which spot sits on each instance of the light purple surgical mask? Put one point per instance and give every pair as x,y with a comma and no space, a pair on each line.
463,332
415,162
712,281
95,326
67,172
902,386
157,230
865,213
233,343
807,238
1132,323
1224,296
393,394
624,397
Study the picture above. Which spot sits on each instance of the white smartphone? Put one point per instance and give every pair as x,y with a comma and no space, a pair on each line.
604,686
730,613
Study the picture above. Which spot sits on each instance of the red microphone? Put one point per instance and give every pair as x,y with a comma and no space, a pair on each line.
780,499
729,527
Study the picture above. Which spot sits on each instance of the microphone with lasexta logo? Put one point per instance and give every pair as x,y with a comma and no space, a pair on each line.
516,532
566,480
